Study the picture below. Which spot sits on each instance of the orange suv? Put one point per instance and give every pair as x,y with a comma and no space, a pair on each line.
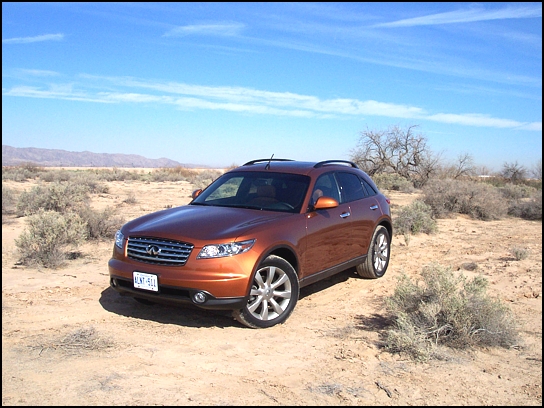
254,237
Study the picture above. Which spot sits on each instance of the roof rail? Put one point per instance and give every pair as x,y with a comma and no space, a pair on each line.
265,160
324,163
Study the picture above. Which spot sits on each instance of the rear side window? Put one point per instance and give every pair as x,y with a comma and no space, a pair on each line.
368,187
351,187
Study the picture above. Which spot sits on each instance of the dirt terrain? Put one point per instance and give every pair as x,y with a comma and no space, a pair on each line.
68,339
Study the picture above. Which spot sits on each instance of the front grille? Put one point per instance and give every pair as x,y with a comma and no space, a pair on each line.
158,251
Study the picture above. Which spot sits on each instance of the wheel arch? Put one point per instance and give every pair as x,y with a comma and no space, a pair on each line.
388,226
286,253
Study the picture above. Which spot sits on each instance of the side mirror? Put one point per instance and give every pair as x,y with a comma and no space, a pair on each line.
196,193
323,203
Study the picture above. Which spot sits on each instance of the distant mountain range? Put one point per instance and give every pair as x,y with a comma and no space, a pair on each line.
12,156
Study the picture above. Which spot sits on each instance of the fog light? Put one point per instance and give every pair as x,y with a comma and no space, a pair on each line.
114,282
199,297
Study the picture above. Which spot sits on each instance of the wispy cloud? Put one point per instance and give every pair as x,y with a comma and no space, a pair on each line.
38,38
470,15
38,72
215,29
248,100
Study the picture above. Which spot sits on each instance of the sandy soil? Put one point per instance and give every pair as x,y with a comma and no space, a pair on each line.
68,339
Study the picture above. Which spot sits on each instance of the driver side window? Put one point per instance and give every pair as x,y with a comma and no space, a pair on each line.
325,186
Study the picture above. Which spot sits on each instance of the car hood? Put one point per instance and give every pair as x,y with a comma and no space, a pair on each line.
194,223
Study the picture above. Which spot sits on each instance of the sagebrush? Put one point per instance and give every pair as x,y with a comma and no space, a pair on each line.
49,236
444,309
414,218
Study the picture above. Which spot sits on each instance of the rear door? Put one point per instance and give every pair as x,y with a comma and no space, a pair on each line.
364,210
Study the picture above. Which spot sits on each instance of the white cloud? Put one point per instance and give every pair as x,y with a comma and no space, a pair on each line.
217,29
39,38
251,101
38,72
470,15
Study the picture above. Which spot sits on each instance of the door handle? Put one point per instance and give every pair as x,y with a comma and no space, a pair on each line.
345,215
374,207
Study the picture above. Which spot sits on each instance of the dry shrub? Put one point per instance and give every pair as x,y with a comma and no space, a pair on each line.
519,253
48,236
56,175
204,178
478,200
59,196
116,174
173,174
8,202
414,218
19,173
100,224
200,179
131,199
530,209
393,181
517,191
77,341
446,310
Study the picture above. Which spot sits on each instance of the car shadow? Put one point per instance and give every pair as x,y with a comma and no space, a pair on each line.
328,282
181,315
192,316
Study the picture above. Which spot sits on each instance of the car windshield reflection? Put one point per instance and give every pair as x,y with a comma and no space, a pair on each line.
256,190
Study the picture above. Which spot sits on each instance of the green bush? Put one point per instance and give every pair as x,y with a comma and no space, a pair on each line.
446,310
60,197
48,237
414,218
478,200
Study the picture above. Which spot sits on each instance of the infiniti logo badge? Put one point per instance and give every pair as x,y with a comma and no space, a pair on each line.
153,250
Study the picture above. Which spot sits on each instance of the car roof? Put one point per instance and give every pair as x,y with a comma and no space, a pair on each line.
294,166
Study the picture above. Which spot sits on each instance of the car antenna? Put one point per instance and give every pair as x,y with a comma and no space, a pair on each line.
268,164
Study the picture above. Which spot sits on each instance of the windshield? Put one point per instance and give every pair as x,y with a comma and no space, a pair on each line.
257,190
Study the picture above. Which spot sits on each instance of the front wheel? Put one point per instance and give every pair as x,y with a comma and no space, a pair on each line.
378,255
273,295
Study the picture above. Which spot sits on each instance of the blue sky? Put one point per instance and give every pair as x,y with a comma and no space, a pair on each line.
223,83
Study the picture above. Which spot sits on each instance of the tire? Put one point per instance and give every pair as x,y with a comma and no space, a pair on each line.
378,255
273,295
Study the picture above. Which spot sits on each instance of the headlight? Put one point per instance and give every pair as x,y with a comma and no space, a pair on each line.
229,249
119,238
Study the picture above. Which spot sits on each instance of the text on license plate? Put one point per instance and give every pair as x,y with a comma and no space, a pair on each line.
145,281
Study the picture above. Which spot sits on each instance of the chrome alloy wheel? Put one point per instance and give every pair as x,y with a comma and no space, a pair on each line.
270,293
380,253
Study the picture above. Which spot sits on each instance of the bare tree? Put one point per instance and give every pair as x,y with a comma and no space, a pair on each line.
536,171
513,172
482,171
464,166
396,150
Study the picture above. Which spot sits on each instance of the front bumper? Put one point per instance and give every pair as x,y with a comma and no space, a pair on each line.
170,294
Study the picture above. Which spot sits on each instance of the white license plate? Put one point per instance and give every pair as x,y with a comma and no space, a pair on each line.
145,281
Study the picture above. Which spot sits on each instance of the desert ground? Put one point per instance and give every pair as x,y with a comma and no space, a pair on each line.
68,339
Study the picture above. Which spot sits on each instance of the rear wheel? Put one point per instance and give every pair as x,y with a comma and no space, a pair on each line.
273,295
377,258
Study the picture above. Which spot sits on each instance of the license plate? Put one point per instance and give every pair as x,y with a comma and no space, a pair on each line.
145,281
